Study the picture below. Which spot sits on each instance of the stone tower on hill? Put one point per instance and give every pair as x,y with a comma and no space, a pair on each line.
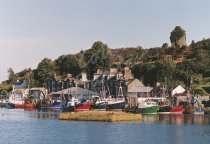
178,37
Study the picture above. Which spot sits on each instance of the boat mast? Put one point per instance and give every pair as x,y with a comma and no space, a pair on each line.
120,92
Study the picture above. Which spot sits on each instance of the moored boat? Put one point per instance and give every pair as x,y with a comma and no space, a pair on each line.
37,98
70,104
4,103
83,106
176,110
145,106
198,112
99,104
55,103
16,99
164,109
115,104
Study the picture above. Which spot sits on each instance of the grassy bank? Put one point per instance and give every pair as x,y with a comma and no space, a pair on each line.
106,116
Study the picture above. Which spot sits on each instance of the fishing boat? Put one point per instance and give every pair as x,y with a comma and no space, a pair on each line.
17,98
55,103
38,97
84,105
165,109
29,103
118,103
70,104
198,112
4,103
146,106
164,105
99,104
177,109
198,106
193,105
115,103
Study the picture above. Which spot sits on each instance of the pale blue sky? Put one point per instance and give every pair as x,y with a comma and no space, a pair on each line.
33,29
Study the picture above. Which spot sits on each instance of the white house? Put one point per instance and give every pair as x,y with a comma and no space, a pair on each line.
177,90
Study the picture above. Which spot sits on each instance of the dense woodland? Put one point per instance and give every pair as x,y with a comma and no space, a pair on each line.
175,63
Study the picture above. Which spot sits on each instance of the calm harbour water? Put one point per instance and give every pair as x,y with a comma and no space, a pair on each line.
33,127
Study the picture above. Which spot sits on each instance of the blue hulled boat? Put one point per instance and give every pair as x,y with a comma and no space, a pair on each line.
115,104
55,105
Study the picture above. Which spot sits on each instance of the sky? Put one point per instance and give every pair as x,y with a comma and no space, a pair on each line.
31,30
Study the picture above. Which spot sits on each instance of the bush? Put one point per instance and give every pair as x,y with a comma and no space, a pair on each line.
199,91
206,73
207,89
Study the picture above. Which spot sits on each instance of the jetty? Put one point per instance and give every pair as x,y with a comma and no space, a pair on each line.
105,116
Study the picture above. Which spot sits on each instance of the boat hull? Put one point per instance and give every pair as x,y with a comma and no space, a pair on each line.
116,105
198,112
29,106
177,110
19,106
148,110
100,106
55,106
3,104
164,110
83,107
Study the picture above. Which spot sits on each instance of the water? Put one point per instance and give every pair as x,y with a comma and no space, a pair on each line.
33,127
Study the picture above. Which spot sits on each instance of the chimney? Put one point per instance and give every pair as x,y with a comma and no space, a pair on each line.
84,77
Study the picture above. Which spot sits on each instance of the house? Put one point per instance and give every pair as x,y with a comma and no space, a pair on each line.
134,83
83,82
143,91
19,85
110,83
58,83
177,90
128,74
179,94
137,88
117,84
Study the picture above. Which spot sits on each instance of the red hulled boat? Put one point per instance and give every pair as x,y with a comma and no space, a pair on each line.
177,110
85,106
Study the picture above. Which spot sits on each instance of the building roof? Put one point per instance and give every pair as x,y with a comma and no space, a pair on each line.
75,91
140,89
128,82
19,85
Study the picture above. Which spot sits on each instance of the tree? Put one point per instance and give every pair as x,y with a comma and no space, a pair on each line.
178,37
12,77
145,72
165,45
164,69
98,57
45,70
27,75
68,64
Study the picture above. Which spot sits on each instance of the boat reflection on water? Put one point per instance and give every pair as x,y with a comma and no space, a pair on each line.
150,118
44,113
177,119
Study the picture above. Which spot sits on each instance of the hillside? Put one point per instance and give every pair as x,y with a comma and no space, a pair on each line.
184,65
178,63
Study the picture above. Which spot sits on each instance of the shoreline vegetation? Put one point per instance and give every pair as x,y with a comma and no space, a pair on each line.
105,116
